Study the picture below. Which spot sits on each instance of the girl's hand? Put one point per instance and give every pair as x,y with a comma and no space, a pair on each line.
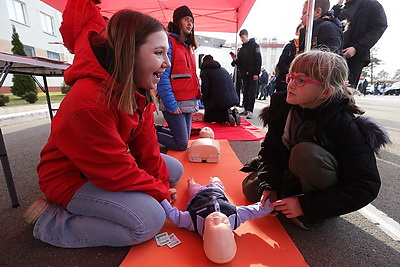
267,194
173,195
289,206
177,111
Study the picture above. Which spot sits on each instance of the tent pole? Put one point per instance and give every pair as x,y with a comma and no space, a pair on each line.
310,19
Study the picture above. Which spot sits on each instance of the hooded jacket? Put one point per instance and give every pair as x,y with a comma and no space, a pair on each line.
93,141
217,87
352,140
327,33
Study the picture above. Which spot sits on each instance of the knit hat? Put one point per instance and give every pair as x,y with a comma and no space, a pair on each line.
181,12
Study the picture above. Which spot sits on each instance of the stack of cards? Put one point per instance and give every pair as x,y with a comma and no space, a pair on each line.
165,239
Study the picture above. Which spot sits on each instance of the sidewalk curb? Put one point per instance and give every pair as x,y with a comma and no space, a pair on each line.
19,117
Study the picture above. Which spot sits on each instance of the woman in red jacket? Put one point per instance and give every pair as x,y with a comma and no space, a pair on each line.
101,169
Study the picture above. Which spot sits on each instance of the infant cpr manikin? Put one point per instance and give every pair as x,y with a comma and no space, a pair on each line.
205,149
218,239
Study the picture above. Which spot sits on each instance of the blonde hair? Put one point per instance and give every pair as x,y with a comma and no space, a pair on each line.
126,32
330,69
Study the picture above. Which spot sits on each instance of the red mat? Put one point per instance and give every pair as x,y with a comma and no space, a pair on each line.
260,242
223,131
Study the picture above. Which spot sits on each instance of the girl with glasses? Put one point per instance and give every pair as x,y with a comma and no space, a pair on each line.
317,160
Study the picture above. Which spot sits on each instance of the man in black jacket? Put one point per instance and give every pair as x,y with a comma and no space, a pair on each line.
248,61
364,23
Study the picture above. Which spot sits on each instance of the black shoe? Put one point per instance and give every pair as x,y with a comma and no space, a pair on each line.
231,120
236,116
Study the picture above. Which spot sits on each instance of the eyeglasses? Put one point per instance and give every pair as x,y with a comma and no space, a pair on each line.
300,80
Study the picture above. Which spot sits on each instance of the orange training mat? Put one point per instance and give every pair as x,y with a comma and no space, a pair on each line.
260,242
245,132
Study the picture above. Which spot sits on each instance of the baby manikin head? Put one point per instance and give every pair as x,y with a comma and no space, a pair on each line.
206,132
218,239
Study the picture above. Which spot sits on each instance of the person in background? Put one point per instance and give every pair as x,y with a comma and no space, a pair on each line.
364,24
101,169
263,85
248,60
363,86
218,92
290,50
237,80
179,87
327,30
271,84
317,160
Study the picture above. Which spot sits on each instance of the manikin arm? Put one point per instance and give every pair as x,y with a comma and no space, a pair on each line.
253,211
179,218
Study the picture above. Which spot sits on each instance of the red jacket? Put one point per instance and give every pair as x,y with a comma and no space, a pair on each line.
184,81
91,141
79,18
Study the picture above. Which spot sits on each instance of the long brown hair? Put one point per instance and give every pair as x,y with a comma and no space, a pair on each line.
127,30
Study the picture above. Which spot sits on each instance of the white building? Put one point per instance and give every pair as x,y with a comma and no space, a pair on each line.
37,25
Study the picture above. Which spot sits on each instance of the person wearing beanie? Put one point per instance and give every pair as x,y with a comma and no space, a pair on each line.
179,88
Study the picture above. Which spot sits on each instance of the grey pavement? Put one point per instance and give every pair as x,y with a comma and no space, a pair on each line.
351,240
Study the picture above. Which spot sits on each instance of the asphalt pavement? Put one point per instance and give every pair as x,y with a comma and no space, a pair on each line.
355,239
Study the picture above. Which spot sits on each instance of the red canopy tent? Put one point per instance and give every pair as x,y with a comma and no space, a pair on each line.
210,15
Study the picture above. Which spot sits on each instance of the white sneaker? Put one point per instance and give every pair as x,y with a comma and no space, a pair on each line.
249,115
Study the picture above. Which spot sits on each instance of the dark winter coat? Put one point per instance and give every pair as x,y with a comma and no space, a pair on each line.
286,58
327,33
249,58
367,24
352,140
217,87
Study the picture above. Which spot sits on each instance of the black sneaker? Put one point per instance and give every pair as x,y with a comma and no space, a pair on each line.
231,120
236,116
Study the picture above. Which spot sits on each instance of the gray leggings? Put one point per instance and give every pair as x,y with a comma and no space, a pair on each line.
311,168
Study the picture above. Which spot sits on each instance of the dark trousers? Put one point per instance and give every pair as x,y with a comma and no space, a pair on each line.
249,92
311,168
355,68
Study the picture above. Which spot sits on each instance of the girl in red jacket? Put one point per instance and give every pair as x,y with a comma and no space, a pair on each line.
179,87
101,169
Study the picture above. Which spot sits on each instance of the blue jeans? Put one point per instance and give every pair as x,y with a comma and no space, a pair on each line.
176,136
96,217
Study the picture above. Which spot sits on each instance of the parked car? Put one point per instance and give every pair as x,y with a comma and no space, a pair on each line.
369,90
393,90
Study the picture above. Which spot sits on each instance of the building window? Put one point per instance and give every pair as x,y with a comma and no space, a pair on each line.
17,11
53,55
47,23
29,50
